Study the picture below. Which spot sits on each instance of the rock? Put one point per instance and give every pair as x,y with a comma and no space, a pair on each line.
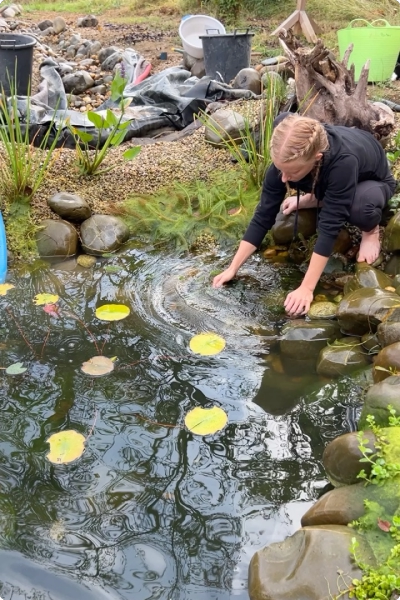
77,82
341,458
103,54
346,504
102,233
388,333
361,311
341,358
370,342
304,340
391,238
322,310
86,260
112,61
87,21
283,228
95,48
343,242
8,13
306,565
45,24
271,80
198,68
57,238
248,79
387,362
59,25
98,89
69,206
366,276
46,32
377,399
392,267
225,124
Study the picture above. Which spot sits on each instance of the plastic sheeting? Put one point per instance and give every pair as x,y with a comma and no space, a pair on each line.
170,98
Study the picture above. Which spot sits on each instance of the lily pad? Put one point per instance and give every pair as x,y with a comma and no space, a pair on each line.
322,310
16,369
206,421
4,287
112,312
98,366
207,344
40,299
65,446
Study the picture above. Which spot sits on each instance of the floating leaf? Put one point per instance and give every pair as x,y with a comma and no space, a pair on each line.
65,446
111,269
98,366
207,344
206,421
112,312
384,525
16,369
51,309
45,299
4,287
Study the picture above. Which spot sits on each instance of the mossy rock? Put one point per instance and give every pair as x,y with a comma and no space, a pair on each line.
322,310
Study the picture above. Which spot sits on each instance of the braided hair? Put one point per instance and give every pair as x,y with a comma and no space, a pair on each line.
298,138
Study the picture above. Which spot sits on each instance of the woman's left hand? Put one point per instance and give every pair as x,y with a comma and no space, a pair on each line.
299,301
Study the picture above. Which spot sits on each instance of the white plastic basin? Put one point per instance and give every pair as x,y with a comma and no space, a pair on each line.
192,27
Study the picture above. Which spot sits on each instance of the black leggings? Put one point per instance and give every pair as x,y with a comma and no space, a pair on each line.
369,202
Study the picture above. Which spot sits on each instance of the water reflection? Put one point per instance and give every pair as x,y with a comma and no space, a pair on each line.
151,511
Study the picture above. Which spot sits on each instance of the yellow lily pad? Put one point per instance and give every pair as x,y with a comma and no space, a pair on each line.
112,312
65,446
98,366
207,344
4,287
40,299
206,421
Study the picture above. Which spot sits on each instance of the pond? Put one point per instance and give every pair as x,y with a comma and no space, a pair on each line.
151,510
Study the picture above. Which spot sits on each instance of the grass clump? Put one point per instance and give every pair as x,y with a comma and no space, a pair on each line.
180,215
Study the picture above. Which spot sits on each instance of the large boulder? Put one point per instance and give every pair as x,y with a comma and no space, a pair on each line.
248,79
56,239
225,125
377,400
305,566
102,233
341,457
361,311
341,358
304,340
366,276
282,230
387,362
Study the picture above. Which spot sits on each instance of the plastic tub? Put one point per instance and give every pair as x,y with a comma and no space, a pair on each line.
227,54
190,30
380,44
16,58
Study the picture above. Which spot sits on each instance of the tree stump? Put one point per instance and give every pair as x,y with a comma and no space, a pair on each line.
326,89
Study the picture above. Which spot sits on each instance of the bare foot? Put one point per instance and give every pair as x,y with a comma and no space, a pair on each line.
370,246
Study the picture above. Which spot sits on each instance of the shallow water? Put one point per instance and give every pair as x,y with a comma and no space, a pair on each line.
150,510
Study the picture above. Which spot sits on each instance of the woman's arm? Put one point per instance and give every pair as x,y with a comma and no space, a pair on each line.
243,252
299,301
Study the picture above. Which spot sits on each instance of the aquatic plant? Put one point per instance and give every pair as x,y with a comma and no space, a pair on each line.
179,215
91,148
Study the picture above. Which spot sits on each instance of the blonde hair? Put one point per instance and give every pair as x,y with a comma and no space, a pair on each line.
298,137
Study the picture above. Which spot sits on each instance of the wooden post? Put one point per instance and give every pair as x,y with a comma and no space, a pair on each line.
300,21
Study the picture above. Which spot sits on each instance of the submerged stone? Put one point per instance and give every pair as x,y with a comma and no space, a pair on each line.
377,399
366,276
341,358
387,362
304,340
56,239
361,311
306,564
322,310
341,458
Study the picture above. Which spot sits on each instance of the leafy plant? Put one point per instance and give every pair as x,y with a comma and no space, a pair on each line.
24,168
111,126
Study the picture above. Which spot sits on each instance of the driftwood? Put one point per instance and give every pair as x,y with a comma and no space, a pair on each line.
326,89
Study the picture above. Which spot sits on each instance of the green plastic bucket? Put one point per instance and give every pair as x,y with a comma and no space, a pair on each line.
379,44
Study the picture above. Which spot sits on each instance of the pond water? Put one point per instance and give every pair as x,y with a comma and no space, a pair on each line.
151,510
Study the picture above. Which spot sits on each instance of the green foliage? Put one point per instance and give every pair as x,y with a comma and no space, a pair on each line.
24,168
20,229
382,470
178,216
111,126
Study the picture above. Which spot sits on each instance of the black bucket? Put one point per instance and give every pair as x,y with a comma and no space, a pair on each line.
16,58
226,54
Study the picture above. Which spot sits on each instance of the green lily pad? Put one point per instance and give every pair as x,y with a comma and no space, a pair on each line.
16,369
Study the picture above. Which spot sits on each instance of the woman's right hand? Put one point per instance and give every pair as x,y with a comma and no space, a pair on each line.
224,277
289,205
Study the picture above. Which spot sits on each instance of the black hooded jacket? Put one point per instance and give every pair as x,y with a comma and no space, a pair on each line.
353,156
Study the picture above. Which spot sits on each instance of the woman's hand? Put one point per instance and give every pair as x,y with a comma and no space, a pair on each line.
289,205
224,277
299,301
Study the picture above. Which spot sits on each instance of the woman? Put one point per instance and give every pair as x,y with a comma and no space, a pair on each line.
342,170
